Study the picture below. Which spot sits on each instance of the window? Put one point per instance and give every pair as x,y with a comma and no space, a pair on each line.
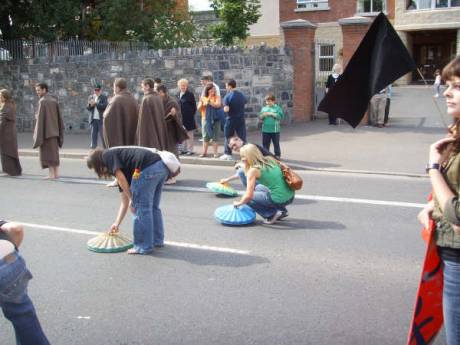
372,6
313,5
326,57
431,4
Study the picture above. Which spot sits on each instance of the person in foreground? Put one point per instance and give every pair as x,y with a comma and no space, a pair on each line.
267,193
14,278
444,171
141,173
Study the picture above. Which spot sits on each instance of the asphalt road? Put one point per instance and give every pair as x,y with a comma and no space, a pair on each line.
343,268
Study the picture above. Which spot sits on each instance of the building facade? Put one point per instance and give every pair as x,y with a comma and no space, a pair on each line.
267,29
430,30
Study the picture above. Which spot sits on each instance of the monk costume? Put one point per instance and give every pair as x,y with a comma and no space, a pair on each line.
176,133
9,141
120,120
151,129
49,131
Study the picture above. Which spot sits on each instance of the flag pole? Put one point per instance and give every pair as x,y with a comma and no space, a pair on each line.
434,101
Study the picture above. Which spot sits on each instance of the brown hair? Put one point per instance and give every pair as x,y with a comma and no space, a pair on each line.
270,97
208,87
449,72
121,83
7,96
149,82
95,162
42,86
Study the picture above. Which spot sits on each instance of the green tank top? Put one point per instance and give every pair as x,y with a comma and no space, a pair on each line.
272,178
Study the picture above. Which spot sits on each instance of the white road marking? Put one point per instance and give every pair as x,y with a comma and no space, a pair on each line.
169,243
298,196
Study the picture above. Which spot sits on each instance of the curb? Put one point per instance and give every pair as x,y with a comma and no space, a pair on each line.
225,163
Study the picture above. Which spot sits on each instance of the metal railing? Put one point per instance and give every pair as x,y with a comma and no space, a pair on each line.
26,49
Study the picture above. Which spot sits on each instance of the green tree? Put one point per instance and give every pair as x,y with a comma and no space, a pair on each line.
156,22
236,16
45,19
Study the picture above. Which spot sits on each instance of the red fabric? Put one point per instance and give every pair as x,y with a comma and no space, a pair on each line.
427,319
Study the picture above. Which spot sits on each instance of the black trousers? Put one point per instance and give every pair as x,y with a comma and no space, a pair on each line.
271,137
387,110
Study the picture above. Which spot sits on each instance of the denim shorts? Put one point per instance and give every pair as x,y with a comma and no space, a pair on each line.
14,278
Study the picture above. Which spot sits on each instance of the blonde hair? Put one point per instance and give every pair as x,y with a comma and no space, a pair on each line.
7,96
254,157
182,81
337,68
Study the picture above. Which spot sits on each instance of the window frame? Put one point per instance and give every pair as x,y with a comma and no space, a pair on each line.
312,5
371,12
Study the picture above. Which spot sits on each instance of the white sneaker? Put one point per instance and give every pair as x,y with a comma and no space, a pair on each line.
274,219
436,95
225,157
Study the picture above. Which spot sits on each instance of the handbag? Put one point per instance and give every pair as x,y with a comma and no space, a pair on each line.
293,180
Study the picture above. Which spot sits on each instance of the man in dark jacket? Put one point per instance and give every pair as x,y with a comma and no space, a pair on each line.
97,103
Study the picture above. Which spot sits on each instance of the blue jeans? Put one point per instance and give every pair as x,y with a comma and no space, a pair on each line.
451,302
232,126
148,220
16,304
263,204
96,130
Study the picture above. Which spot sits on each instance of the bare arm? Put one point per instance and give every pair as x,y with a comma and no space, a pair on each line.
125,200
252,175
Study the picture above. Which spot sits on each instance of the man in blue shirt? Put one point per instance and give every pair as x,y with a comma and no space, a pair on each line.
234,102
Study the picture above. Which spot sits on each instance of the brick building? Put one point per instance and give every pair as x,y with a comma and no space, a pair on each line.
430,30
321,33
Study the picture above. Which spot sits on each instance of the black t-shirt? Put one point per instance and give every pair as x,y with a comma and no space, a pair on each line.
3,235
128,158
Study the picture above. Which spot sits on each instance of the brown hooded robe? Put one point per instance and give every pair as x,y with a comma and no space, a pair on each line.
49,131
151,129
9,141
120,120
176,132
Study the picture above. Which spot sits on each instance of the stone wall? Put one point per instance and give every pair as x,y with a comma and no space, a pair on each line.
257,71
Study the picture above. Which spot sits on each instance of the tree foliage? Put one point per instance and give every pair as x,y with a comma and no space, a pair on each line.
157,22
236,16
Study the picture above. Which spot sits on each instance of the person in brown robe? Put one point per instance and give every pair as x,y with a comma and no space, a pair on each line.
176,134
8,138
151,128
120,117
49,131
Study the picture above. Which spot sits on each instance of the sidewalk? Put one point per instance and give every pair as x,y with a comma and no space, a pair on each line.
401,148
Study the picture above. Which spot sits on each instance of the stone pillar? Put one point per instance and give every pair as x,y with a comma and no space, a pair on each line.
299,37
406,38
353,31
458,42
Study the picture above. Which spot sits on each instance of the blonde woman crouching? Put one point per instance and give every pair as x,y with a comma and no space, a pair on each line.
267,193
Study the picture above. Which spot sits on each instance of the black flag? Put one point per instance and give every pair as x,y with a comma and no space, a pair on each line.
380,59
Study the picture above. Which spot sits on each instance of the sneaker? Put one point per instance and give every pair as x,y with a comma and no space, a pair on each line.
273,219
226,157
284,214
170,181
189,153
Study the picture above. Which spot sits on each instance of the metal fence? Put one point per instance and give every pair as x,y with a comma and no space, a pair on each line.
26,49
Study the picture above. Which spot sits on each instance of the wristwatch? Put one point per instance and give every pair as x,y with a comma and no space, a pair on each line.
430,166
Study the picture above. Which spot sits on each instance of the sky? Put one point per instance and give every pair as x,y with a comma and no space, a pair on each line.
199,5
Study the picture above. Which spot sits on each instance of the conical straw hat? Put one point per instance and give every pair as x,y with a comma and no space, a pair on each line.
231,215
221,188
107,242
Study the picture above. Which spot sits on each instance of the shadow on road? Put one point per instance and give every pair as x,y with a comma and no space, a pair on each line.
208,258
306,224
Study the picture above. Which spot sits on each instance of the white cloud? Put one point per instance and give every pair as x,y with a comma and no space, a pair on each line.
199,5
